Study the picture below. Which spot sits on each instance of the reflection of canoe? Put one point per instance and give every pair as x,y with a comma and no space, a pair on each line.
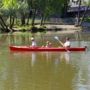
27,48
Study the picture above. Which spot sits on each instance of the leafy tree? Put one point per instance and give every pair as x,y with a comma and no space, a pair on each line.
87,4
23,10
10,8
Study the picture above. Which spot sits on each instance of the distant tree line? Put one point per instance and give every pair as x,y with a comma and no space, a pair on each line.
25,10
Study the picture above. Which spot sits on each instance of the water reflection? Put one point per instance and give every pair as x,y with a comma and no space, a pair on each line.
43,70
47,56
33,58
39,70
65,56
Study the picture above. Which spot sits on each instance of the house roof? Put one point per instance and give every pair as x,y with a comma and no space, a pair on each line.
75,9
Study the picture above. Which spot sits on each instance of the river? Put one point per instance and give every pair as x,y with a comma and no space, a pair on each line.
44,70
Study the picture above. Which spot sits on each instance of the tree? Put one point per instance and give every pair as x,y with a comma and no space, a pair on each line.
80,18
87,3
9,8
22,10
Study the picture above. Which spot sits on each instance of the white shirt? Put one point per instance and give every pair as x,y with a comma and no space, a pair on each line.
34,43
67,43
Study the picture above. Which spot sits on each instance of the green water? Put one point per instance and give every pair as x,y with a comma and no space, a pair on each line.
42,70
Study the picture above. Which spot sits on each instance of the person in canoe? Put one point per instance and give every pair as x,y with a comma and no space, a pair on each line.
48,44
67,43
33,42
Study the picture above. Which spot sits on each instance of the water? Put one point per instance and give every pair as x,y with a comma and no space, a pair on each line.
43,70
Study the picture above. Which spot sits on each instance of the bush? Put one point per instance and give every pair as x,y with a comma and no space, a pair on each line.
42,29
87,19
34,29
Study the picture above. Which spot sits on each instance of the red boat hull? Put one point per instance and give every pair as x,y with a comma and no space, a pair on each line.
27,48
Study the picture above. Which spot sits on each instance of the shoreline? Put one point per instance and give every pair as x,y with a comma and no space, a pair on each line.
54,28
61,27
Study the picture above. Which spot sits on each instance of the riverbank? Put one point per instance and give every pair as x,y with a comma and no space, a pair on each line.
53,28
61,27
63,31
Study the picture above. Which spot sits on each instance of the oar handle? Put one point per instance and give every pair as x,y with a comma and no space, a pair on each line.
61,43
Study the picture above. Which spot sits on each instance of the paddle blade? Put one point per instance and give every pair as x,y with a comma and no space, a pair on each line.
56,38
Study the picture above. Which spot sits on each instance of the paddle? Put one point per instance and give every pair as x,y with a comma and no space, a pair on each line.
56,37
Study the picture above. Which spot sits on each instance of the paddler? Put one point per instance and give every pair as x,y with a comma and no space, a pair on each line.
33,42
67,43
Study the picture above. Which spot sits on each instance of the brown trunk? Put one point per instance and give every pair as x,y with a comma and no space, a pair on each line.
42,19
28,21
3,23
78,16
33,19
22,19
84,15
12,22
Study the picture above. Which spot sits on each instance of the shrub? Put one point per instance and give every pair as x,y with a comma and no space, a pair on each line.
42,29
34,29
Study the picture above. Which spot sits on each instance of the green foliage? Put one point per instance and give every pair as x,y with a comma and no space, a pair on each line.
22,6
9,7
87,19
27,27
42,29
36,29
10,4
86,2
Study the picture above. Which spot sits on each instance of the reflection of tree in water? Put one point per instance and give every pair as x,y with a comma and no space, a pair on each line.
11,39
3,38
19,39
23,39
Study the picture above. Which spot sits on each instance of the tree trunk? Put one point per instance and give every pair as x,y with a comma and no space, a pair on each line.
10,20
22,19
28,20
42,18
84,15
78,16
4,26
29,16
3,22
33,18
65,7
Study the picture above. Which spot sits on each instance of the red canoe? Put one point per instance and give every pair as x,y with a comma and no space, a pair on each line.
27,48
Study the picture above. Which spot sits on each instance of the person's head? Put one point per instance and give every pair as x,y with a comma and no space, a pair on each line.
50,43
67,38
47,42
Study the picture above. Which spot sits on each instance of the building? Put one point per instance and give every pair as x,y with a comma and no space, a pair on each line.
74,8
75,3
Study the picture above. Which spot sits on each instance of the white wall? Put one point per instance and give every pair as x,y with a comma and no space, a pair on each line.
76,4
